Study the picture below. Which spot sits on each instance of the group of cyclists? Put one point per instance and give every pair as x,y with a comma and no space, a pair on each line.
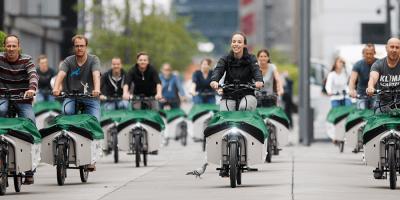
82,72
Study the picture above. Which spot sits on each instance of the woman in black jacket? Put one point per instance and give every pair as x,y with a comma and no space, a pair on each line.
238,64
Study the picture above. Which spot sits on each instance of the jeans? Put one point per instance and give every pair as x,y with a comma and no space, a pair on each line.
346,102
173,105
25,110
40,97
121,105
249,100
363,103
92,107
209,99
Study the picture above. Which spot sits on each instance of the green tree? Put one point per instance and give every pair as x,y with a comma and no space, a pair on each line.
165,40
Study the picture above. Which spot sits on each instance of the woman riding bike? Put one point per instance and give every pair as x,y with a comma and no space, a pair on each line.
336,83
270,76
201,83
238,64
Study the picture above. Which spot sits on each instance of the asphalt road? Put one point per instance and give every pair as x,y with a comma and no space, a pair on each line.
316,172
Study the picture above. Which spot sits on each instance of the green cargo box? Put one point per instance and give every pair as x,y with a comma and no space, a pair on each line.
201,109
338,113
84,124
148,117
249,121
109,116
379,123
21,128
174,113
275,113
42,107
357,116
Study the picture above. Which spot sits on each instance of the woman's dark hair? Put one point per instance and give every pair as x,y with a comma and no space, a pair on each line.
265,51
334,64
239,33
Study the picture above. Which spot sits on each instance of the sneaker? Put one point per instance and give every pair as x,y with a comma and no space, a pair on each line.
224,173
29,180
378,174
92,166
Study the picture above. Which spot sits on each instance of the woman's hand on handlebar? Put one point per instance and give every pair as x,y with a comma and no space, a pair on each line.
56,92
214,85
329,93
126,96
370,91
95,93
193,93
259,85
280,93
29,93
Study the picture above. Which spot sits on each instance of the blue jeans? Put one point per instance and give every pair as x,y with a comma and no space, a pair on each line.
209,99
25,110
363,103
346,102
121,105
92,107
40,97
173,105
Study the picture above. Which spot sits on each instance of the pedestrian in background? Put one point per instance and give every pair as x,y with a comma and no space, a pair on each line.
45,75
287,95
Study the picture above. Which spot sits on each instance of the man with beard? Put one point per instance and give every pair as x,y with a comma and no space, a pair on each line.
385,72
360,73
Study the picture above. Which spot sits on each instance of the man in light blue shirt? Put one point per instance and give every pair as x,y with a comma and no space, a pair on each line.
360,73
169,84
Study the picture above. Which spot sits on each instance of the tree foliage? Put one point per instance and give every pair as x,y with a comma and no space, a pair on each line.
165,40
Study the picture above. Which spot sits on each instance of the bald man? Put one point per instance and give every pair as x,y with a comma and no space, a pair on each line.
385,72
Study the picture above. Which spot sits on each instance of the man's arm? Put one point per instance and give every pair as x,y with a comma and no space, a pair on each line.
159,92
60,77
352,83
373,79
96,81
33,78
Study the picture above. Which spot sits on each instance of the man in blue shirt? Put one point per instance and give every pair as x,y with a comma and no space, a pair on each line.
169,84
360,73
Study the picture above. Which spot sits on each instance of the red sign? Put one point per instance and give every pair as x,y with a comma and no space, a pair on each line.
248,24
245,2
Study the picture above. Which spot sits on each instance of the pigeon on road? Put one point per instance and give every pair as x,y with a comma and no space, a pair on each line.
198,171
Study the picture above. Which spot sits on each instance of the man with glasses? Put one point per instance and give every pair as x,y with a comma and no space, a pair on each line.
81,72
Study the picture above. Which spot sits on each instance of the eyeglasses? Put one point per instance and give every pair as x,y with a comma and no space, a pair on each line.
79,46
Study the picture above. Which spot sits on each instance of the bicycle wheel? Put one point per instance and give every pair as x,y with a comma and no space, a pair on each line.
61,168
84,175
184,135
115,143
232,163
269,149
3,178
17,183
204,144
145,158
392,166
137,150
239,177
341,147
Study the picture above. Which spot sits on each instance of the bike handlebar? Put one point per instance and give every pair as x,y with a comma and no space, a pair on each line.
138,97
74,95
112,98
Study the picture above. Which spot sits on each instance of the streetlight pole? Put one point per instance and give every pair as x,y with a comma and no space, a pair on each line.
305,111
388,9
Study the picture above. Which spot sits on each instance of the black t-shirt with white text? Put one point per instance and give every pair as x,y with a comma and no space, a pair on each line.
388,77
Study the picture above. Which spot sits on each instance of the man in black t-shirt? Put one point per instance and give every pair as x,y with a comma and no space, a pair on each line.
45,75
146,81
385,72
112,83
